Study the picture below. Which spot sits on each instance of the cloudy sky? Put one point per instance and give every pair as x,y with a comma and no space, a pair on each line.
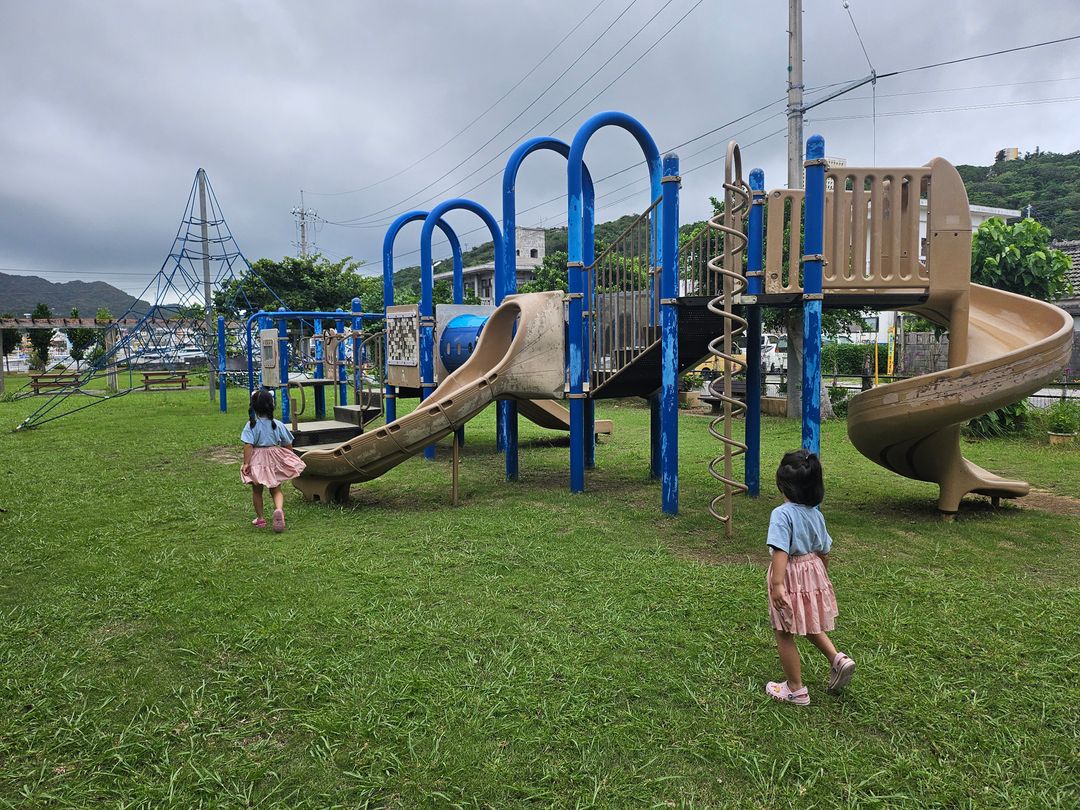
373,108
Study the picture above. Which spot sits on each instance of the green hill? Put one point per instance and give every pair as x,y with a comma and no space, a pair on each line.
20,294
1047,181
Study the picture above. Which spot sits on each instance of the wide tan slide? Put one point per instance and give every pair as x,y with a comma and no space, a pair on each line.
525,363
553,416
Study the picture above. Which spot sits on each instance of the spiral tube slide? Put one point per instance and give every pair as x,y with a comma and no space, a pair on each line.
1015,346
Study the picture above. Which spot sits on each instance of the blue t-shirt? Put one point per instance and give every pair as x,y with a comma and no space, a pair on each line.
262,435
797,529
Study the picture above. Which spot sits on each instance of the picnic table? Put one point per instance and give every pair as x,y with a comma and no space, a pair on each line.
52,381
164,380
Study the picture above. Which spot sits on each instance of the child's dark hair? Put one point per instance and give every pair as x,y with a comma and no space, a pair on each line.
799,478
262,405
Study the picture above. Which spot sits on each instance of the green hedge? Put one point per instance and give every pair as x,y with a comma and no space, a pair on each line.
848,358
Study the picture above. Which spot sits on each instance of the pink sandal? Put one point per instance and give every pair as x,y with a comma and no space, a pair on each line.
781,692
259,523
840,673
279,521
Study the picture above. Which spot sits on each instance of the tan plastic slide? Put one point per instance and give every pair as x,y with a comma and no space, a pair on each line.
1002,348
553,416
526,364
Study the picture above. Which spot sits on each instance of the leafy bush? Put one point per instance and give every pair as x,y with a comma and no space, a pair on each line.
1061,417
838,397
691,381
1007,421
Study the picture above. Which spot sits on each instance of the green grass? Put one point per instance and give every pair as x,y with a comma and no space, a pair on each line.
527,647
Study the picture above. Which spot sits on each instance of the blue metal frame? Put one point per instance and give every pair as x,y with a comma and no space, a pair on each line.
578,348
320,370
507,284
357,322
813,242
389,393
754,265
283,362
223,397
427,310
669,332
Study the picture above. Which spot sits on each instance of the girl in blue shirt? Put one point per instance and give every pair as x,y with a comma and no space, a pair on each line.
801,597
269,460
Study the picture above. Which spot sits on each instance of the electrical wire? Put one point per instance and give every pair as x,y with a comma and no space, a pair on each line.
469,125
528,107
964,108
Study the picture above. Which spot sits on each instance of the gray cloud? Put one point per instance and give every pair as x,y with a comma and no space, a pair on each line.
110,108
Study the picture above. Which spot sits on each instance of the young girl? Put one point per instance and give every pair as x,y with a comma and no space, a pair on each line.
801,598
268,458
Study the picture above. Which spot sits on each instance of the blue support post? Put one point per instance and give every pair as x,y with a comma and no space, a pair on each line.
669,336
342,378
251,355
223,396
320,371
283,364
813,241
754,264
588,252
356,324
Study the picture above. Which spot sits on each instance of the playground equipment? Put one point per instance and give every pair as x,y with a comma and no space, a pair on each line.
332,333
861,248
204,256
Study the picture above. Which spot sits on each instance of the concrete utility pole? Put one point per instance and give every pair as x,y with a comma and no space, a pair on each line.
207,299
794,315
795,96
303,215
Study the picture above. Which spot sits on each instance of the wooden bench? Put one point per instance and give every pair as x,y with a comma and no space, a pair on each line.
738,391
164,380
52,381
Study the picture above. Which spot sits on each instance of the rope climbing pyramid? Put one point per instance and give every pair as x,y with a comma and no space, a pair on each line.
180,325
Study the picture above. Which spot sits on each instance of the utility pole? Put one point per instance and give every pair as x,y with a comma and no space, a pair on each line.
795,112
795,96
207,299
303,215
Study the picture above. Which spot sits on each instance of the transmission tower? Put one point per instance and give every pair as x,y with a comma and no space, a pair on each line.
305,217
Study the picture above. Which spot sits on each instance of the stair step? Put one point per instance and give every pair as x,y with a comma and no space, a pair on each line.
308,448
323,432
353,413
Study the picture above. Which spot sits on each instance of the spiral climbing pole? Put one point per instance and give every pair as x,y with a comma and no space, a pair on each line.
729,267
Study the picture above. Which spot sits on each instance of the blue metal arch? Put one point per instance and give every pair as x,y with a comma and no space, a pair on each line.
390,395
388,254
507,285
427,308
578,349
513,165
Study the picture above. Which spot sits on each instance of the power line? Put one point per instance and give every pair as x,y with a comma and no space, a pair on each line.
981,56
608,86
1022,103
469,125
530,105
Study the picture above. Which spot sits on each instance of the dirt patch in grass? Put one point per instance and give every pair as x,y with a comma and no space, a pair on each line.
222,454
1049,502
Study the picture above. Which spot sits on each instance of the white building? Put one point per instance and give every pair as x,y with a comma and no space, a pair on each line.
479,280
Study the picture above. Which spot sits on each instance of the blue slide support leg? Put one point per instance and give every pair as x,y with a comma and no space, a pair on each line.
669,336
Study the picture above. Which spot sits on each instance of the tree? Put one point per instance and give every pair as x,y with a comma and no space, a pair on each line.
101,316
550,275
1018,258
303,283
81,340
9,339
40,338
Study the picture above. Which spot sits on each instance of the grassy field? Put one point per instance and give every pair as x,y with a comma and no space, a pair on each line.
527,647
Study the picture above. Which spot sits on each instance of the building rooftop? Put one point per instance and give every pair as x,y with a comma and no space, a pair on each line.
1071,249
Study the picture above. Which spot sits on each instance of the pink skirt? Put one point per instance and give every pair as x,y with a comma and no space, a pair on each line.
273,466
810,597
